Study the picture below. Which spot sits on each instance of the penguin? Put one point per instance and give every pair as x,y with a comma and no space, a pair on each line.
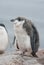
3,38
27,36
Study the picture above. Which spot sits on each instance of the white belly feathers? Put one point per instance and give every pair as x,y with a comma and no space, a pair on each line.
3,39
22,38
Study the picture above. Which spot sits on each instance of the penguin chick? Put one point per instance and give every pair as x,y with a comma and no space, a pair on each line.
26,35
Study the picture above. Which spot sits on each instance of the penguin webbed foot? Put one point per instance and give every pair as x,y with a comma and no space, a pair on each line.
34,55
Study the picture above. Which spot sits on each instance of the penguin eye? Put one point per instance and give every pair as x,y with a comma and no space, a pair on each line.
19,19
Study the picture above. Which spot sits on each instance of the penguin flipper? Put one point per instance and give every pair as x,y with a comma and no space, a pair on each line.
35,40
14,40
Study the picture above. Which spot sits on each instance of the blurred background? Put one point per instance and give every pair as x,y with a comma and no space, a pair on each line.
31,9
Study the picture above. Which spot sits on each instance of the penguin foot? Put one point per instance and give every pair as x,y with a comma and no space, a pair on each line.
34,55
1,52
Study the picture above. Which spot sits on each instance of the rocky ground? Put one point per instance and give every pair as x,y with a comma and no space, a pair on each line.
13,58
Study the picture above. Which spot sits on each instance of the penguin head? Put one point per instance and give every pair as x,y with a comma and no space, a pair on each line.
2,28
2,25
19,21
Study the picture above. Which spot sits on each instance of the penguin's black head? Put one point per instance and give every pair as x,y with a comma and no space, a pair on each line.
2,25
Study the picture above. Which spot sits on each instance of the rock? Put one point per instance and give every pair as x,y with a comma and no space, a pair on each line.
13,58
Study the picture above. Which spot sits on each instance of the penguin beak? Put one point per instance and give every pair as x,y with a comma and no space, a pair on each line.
12,20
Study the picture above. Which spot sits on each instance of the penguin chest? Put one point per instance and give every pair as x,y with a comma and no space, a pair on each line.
23,39
3,40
